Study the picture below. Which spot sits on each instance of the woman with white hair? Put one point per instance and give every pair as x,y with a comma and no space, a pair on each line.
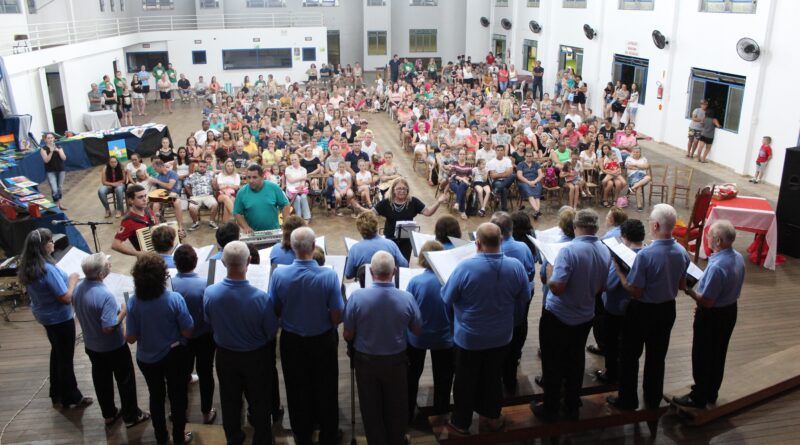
101,319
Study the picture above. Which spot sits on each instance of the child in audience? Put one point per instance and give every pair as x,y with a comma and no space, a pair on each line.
572,181
481,186
342,182
364,183
764,155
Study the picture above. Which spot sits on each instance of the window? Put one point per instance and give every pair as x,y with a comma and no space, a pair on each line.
199,57
630,70
147,58
9,7
423,2
422,40
31,6
111,2
121,5
724,93
376,2
533,3
570,57
376,43
158,4
102,5
501,3
320,2
309,54
266,3
737,6
209,4
238,59
636,5
530,50
574,4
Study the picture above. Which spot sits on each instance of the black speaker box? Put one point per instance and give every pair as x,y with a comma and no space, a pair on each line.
788,211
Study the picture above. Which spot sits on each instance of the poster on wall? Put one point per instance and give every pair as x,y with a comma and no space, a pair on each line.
118,149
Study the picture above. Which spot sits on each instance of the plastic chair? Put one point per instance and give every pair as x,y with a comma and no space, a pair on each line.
690,235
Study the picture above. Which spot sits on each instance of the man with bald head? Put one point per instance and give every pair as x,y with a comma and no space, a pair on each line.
376,320
243,320
484,292
715,316
309,302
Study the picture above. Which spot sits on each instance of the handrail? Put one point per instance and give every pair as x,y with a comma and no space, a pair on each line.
47,35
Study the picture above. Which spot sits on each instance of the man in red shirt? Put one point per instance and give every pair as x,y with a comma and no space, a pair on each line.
139,216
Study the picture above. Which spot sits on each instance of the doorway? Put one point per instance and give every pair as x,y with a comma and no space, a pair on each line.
499,46
56,96
334,49
630,70
570,57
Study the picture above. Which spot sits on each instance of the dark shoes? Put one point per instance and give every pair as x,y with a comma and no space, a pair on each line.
542,414
689,401
142,417
603,377
594,349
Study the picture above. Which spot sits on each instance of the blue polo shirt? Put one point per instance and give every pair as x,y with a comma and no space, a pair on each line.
583,265
96,308
362,252
612,233
242,316
515,249
437,331
658,269
260,208
616,298
192,287
279,255
380,316
485,292
43,293
168,176
723,279
157,325
305,294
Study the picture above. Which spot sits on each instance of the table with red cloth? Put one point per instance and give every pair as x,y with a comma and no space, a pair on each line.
751,214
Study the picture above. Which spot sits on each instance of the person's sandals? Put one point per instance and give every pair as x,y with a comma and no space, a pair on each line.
463,216
482,212
142,417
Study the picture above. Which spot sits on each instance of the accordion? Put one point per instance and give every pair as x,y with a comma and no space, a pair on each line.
145,236
263,238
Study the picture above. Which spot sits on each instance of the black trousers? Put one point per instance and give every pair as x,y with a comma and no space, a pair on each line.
248,374
712,333
538,87
477,385
404,244
646,327
612,332
442,377
563,361
382,395
63,386
201,357
514,354
167,378
107,367
311,373
599,322
274,389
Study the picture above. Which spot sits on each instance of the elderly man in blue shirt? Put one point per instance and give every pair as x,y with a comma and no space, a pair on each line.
308,300
375,321
361,253
658,272
518,250
485,292
101,320
716,296
243,320
578,275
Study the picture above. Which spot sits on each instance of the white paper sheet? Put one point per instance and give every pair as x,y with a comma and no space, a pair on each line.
258,276
203,253
551,235
444,262
458,242
349,288
349,243
548,250
695,272
621,251
337,262
71,261
418,239
406,274
264,254
119,284
320,242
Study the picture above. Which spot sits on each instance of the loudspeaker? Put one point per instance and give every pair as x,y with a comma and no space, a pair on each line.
788,211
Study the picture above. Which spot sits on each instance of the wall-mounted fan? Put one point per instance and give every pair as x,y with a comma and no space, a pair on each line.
506,24
659,40
589,31
484,22
535,27
748,49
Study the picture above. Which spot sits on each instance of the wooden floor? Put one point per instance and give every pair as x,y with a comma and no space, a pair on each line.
769,321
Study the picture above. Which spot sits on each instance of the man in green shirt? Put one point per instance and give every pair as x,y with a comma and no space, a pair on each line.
257,203
172,75
158,71
120,82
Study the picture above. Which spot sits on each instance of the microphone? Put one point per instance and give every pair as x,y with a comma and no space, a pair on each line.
61,221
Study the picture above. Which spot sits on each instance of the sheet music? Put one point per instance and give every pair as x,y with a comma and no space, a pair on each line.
258,276
406,274
458,242
419,239
337,262
621,251
71,261
203,253
118,284
320,242
548,250
444,262
551,235
695,272
349,243
403,229
367,277
349,288
220,272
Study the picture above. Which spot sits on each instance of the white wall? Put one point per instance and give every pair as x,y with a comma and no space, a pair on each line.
476,37
377,18
77,75
448,18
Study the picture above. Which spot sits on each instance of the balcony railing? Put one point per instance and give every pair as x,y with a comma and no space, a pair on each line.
48,35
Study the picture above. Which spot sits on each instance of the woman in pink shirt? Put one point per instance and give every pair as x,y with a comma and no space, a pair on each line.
627,141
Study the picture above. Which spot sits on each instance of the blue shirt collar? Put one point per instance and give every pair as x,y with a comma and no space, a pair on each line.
586,238
381,284
491,255
722,253
230,282
187,274
664,241
305,263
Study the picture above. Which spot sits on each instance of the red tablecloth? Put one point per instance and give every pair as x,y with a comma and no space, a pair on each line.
751,214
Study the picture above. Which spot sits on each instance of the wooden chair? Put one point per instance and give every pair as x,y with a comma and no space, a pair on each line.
691,235
552,196
682,185
658,183
592,179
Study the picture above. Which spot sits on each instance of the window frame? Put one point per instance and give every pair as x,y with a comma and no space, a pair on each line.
371,50
636,5
304,57
149,66
287,56
414,35
102,5
158,5
526,44
501,3
266,4
728,6
198,52
639,64
733,82
31,4
376,2
573,4
533,4
121,5
320,3
431,3
209,4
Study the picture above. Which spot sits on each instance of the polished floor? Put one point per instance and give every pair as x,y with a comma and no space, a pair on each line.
769,321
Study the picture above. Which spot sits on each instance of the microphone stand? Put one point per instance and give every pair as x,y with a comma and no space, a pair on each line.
92,225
